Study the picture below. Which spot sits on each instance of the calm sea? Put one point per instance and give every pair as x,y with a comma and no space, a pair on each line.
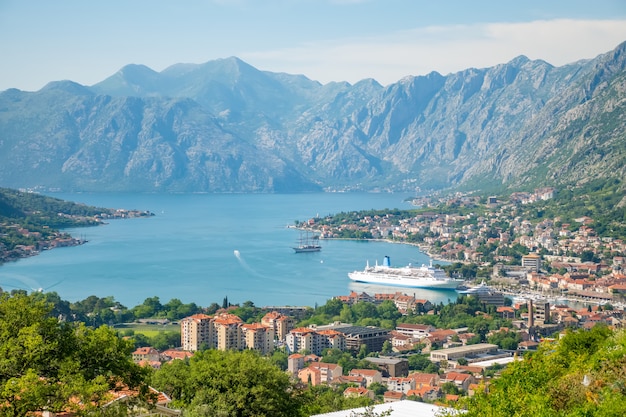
204,247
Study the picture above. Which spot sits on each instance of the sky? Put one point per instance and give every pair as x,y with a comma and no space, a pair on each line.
325,40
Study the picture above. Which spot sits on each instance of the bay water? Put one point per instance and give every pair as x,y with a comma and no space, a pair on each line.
203,247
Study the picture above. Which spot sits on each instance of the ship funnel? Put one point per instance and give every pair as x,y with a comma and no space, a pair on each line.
387,262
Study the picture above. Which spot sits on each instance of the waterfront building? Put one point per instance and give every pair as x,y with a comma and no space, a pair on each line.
532,261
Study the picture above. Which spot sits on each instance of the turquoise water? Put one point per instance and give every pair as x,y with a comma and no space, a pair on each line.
203,247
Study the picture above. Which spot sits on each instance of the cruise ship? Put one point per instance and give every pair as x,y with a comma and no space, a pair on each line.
426,276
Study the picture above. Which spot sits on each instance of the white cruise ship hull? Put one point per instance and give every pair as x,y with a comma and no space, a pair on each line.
400,281
408,276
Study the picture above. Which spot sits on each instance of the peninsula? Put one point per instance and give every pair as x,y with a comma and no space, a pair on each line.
31,223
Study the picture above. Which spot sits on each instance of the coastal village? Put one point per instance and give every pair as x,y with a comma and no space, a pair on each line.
50,239
545,292
460,364
536,304
487,241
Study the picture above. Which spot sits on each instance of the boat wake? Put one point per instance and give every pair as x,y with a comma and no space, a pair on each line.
245,265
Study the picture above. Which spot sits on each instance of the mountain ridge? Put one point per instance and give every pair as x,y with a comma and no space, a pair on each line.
225,126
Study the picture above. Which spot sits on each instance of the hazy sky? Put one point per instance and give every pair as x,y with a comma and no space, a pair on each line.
326,40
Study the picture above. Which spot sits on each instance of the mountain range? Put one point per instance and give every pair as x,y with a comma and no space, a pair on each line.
225,126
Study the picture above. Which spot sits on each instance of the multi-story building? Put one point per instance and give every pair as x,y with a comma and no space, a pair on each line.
258,337
391,367
302,339
228,332
532,261
320,373
372,337
195,331
400,384
280,323
224,332
452,354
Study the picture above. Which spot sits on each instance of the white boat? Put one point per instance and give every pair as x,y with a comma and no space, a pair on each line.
426,276
307,243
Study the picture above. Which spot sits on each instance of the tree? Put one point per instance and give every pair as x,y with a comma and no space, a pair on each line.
58,366
581,374
229,383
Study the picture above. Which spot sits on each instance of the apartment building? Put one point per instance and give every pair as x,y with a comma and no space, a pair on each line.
224,332
258,337
280,323
195,331
228,332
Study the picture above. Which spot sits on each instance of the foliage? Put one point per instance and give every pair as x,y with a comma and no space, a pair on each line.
322,399
229,383
581,374
47,364
31,219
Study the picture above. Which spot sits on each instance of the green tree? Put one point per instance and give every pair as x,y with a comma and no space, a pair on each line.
229,383
49,365
581,374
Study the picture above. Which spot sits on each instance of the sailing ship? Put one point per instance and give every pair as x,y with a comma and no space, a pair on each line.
308,243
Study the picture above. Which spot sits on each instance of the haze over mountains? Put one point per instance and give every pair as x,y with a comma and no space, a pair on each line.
225,126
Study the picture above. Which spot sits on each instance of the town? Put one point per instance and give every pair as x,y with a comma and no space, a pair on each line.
414,360
539,279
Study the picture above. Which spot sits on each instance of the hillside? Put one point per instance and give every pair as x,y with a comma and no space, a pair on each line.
30,223
225,126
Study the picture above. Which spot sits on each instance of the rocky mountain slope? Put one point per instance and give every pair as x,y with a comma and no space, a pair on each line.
225,126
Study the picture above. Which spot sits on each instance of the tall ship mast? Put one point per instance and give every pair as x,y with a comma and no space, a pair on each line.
307,243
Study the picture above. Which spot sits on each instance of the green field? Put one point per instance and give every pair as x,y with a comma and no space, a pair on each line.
149,330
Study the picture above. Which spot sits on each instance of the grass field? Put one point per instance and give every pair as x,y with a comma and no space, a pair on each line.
149,330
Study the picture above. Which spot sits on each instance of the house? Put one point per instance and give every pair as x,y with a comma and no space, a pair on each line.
173,354
393,396
295,362
146,354
461,380
399,384
370,375
358,381
426,393
423,379
358,392
320,373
